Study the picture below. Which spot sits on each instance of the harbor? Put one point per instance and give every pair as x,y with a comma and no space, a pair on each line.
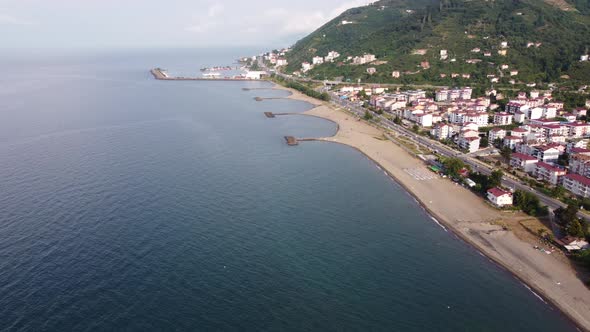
161,74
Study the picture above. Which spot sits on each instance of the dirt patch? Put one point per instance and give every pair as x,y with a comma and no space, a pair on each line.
561,4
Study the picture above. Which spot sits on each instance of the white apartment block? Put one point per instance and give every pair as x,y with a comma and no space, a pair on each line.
577,184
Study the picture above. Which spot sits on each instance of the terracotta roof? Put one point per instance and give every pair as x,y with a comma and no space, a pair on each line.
522,156
579,178
497,192
550,167
579,150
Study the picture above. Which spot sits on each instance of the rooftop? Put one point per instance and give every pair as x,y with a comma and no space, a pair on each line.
579,178
497,192
523,156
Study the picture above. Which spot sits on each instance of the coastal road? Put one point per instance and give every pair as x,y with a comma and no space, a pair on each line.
440,148
446,151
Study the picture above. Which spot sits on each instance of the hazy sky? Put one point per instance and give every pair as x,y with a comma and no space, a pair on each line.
150,23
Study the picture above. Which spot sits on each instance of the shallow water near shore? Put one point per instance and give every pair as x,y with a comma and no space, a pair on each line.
133,204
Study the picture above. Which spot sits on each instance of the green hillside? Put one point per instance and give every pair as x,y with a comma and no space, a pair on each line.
394,29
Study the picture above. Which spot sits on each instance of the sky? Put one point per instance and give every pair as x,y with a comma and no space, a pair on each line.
83,24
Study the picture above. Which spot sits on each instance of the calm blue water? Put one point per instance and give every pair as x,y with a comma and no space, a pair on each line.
132,204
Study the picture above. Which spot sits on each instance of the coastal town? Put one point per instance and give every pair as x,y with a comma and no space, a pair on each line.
535,144
521,151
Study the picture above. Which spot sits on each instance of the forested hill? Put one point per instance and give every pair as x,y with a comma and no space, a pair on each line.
545,38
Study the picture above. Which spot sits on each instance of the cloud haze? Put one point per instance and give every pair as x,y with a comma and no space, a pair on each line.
149,23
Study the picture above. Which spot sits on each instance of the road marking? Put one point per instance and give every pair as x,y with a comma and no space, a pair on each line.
421,174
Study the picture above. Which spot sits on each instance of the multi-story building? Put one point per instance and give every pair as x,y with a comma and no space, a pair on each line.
470,144
549,173
578,129
523,161
579,164
503,119
577,184
442,131
496,133
511,141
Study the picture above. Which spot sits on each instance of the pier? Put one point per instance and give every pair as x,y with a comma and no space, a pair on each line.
291,141
272,115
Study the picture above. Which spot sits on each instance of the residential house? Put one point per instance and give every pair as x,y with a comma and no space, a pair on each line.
371,70
580,112
500,197
317,60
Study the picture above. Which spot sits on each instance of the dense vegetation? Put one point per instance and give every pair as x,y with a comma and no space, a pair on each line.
394,29
567,218
529,203
302,88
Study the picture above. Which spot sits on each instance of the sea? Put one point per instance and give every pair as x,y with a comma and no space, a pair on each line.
130,204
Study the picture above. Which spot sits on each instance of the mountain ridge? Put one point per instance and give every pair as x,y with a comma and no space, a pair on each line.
394,29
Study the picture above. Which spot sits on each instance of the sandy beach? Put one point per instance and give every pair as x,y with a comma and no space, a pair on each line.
466,214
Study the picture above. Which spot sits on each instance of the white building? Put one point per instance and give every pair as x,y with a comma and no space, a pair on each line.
281,62
523,161
256,75
577,184
496,133
503,119
442,131
317,60
511,141
332,55
306,66
549,173
499,197
470,144
579,164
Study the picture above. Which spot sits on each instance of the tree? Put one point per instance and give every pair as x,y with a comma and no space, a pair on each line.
362,94
368,116
558,191
495,179
484,142
415,128
453,166
566,216
498,142
506,153
575,228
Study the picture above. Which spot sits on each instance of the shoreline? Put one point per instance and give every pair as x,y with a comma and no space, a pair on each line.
572,301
